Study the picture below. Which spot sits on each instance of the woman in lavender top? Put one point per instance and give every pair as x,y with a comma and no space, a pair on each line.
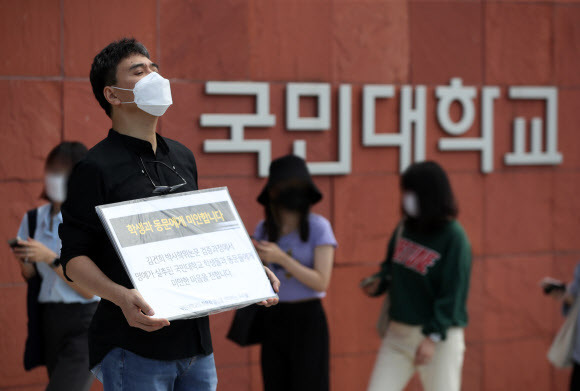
299,248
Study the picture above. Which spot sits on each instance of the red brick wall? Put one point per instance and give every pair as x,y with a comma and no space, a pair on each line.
524,222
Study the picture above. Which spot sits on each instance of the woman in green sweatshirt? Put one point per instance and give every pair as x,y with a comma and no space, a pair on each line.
426,275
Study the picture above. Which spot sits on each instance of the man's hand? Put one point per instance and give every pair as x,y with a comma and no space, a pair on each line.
33,251
138,313
275,285
425,352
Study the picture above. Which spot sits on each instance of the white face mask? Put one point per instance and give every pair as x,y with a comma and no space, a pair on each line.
55,187
411,204
152,94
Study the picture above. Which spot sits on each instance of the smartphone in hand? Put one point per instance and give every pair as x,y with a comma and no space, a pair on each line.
368,281
551,287
13,243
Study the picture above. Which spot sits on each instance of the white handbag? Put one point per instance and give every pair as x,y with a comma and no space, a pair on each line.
560,353
383,322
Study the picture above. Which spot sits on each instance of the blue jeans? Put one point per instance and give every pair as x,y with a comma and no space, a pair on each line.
122,370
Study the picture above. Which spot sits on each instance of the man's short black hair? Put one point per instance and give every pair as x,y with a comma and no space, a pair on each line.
104,68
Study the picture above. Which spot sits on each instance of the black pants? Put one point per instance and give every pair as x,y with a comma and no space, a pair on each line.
66,347
295,348
575,378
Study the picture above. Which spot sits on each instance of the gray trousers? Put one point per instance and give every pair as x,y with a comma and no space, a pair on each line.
65,331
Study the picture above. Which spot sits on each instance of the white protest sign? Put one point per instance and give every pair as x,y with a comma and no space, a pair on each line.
188,254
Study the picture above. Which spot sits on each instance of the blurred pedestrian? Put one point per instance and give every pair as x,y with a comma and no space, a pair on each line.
426,275
64,309
567,295
299,247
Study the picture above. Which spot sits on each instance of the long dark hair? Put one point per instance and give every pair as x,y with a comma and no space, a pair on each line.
68,154
299,196
437,204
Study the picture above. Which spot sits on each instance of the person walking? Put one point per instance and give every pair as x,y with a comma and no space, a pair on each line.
426,276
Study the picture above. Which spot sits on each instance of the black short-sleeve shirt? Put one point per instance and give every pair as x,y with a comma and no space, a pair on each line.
112,172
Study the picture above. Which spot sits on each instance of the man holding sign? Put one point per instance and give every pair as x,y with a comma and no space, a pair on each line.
130,348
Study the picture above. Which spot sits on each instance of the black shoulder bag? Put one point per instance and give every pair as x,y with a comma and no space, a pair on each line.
34,349
248,326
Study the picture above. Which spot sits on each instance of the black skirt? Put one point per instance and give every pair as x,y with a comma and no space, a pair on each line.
295,348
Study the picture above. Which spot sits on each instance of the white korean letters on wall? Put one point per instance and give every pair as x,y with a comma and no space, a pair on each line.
411,136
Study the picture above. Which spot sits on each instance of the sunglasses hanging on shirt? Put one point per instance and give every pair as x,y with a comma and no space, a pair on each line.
162,189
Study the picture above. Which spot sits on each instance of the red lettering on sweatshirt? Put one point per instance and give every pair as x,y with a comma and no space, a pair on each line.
414,256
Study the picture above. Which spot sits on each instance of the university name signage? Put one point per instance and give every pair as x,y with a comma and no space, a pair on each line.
411,135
